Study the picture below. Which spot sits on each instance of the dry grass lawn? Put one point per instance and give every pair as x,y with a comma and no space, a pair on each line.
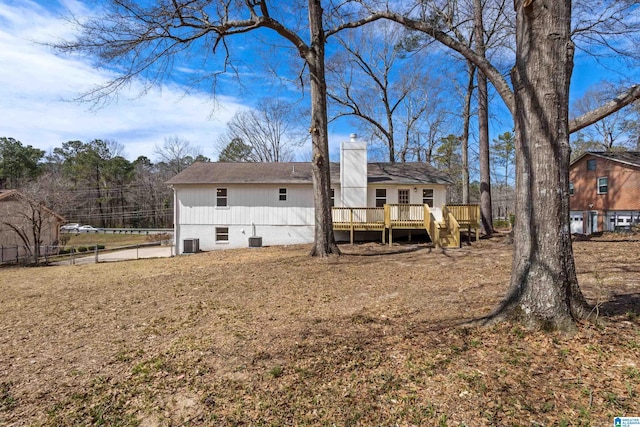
272,337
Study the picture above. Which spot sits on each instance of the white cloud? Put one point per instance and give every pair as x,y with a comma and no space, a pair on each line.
36,87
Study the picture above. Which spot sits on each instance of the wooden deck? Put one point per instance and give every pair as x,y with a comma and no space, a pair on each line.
444,231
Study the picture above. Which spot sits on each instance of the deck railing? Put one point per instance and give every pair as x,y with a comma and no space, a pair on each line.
466,214
452,224
358,215
431,226
406,216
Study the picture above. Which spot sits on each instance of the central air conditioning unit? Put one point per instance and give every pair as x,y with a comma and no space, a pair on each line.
190,246
255,242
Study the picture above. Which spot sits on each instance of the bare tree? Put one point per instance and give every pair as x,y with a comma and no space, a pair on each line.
176,153
146,39
31,218
486,211
401,111
544,289
271,131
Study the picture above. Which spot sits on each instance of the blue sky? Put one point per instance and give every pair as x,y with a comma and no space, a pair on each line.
37,86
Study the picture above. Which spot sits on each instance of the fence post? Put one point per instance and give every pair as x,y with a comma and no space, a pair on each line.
96,253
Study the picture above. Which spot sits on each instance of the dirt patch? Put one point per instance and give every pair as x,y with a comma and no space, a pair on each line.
270,336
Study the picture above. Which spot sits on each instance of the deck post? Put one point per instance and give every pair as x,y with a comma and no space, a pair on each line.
351,222
390,236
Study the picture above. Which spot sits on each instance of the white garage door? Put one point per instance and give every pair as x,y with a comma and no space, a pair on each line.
577,226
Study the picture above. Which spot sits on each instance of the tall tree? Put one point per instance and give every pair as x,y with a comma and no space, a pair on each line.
448,158
466,118
97,173
399,111
236,151
543,290
271,131
152,200
18,163
504,156
486,211
503,162
176,154
146,39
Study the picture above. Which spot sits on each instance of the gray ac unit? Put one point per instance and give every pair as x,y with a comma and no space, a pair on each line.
191,246
255,242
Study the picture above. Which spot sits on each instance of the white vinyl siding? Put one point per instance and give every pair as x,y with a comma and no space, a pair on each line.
246,205
415,197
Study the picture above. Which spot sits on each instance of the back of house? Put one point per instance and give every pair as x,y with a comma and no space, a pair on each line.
233,205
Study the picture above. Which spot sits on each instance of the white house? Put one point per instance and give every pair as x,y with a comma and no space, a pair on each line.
223,205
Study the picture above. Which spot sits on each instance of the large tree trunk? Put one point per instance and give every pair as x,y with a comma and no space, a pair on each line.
324,242
466,116
544,289
486,212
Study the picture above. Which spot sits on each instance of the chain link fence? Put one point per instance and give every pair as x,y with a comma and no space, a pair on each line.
83,254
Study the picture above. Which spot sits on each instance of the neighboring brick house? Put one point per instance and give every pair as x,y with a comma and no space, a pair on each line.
604,190
23,220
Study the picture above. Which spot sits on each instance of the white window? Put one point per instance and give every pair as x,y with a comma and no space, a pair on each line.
381,197
221,197
333,197
571,188
282,194
427,197
222,234
603,185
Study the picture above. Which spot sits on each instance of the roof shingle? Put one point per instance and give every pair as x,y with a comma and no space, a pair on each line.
300,173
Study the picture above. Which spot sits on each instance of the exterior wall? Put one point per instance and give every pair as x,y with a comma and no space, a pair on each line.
18,213
257,209
622,197
249,208
415,193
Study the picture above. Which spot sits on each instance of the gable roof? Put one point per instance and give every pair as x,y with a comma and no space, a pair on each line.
5,194
300,173
631,158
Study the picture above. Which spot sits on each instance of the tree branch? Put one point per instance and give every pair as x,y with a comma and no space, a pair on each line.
617,103
497,79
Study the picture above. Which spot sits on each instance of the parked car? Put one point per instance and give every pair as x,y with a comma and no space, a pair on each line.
72,226
87,229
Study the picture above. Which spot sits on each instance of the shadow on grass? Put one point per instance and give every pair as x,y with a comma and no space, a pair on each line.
386,250
622,304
